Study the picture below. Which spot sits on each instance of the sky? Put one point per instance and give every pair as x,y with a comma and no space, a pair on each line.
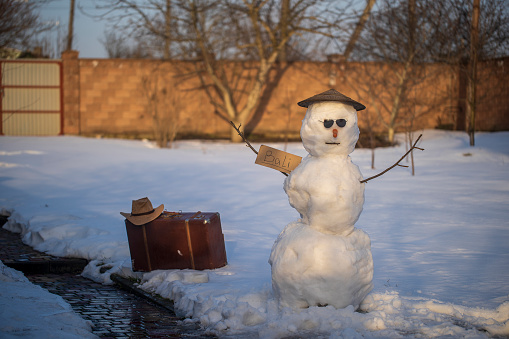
87,30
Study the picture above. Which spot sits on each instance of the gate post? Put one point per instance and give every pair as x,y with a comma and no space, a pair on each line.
71,92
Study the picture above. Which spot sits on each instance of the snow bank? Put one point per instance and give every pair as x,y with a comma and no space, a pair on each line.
381,315
27,310
439,239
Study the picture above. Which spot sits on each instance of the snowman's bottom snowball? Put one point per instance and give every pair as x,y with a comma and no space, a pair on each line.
310,268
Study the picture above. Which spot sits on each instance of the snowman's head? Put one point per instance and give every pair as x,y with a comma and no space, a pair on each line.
329,127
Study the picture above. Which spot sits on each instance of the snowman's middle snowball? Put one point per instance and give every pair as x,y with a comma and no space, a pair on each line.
327,193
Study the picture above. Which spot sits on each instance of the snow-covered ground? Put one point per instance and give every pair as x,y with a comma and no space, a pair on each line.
440,239
28,310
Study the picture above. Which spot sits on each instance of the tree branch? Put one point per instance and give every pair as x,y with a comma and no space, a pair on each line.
397,163
247,142
242,136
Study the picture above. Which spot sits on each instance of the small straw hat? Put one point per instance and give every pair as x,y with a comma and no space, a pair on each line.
332,95
142,212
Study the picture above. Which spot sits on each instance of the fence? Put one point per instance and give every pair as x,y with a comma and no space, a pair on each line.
31,97
108,97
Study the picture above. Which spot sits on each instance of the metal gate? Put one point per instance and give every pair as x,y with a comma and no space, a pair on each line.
31,97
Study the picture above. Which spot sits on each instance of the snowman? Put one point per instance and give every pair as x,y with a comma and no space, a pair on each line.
322,259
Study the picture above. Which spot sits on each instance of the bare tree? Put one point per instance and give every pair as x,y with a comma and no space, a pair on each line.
368,119
119,46
238,45
287,107
19,23
472,74
240,48
52,42
407,35
474,32
115,46
398,36
359,26
402,54
164,103
488,32
151,21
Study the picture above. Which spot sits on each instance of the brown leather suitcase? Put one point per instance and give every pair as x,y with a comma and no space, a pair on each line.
177,241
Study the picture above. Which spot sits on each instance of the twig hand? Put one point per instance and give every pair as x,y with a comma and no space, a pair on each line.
245,140
242,136
397,163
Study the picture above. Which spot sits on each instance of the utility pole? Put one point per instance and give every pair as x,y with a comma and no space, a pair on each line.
70,33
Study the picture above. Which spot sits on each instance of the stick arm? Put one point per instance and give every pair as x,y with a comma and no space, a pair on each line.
242,136
245,140
397,163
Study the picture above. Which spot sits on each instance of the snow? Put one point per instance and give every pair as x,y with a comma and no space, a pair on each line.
327,192
312,131
439,239
311,268
322,259
27,310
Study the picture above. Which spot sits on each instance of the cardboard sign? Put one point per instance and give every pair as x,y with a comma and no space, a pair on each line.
276,159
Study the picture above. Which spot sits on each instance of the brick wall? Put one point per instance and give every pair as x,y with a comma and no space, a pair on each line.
111,97
493,96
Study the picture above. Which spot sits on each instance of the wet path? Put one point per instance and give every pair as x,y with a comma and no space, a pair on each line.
114,312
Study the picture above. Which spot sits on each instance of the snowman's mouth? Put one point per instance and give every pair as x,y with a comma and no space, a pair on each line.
332,143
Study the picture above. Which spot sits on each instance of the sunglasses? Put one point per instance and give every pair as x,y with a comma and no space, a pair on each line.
328,123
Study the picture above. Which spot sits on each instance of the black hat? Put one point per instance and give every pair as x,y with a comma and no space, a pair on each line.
332,95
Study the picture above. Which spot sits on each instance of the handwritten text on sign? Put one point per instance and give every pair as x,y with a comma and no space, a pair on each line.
276,159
